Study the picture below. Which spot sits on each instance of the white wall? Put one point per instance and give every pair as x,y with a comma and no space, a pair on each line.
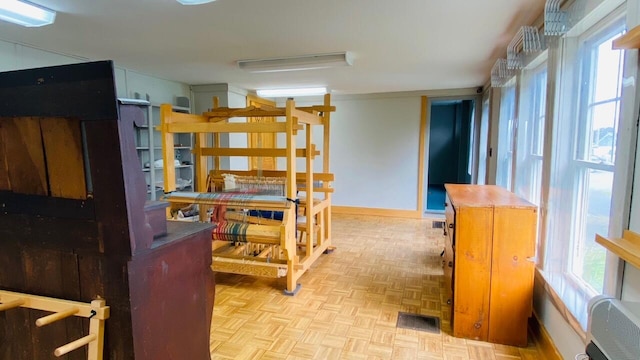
373,149
374,152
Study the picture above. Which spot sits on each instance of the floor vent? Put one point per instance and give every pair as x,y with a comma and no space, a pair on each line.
438,225
418,322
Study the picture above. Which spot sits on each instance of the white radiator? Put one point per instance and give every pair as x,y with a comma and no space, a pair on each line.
614,327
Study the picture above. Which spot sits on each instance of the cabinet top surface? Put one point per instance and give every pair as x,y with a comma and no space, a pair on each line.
484,196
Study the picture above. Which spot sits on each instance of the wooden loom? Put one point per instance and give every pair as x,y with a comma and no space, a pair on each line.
96,312
274,237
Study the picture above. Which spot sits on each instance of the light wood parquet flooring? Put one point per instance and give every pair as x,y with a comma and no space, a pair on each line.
349,301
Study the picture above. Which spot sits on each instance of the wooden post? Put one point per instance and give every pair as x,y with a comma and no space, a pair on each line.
96,328
309,190
168,155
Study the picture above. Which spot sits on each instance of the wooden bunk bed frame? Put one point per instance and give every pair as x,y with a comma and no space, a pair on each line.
299,252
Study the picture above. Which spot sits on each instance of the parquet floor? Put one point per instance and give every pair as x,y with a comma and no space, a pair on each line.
349,302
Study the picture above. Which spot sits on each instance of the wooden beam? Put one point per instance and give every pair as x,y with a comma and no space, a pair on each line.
226,113
209,127
273,152
306,117
244,267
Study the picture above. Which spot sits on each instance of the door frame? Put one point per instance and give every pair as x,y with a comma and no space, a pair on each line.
425,130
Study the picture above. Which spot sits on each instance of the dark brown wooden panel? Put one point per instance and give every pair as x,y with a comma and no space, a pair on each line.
4,170
39,205
53,233
14,327
174,276
84,91
63,152
23,147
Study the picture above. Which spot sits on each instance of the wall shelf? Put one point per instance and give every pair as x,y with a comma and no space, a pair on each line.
627,247
630,40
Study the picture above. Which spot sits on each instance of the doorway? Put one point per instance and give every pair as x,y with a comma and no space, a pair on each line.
451,136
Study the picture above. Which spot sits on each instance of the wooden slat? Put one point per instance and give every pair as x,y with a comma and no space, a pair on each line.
319,108
185,118
274,152
63,152
23,149
306,117
227,113
300,177
237,266
630,40
226,127
627,247
5,184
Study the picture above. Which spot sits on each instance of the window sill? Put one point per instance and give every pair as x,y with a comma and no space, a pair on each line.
570,294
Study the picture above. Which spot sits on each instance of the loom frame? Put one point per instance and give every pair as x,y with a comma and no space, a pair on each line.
315,232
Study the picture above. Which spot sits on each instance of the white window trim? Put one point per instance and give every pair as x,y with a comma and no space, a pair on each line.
625,160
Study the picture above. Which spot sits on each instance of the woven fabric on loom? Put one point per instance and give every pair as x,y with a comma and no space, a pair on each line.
235,198
230,231
263,184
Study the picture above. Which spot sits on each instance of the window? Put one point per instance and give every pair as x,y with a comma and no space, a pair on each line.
583,166
530,142
482,146
505,134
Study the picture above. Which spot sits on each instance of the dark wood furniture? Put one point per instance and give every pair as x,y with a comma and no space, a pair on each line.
488,270
74,223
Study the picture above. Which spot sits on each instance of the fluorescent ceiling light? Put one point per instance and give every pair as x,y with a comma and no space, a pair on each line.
305,62
26,13
272,93
194,2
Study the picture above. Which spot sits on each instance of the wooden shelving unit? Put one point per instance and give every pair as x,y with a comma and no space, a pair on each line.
627,247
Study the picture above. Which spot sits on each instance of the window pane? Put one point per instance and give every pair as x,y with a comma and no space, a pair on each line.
607,86
505,135
589,257
530,142
603,132
482,147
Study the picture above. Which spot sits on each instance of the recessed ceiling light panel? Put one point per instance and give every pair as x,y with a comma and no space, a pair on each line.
273,93
26,13
194,2
295,63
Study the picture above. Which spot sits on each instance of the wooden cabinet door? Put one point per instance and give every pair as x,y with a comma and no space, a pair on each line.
514,234
472,267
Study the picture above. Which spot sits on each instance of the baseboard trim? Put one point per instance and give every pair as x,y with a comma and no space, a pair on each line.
543,340
353,210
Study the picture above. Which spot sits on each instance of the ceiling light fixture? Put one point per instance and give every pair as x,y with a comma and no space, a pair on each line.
273,93
26,13
194,2
305,62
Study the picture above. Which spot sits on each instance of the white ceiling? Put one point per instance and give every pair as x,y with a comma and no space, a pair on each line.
398,45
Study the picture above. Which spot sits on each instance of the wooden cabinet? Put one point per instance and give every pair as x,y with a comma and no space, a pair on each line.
488,271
